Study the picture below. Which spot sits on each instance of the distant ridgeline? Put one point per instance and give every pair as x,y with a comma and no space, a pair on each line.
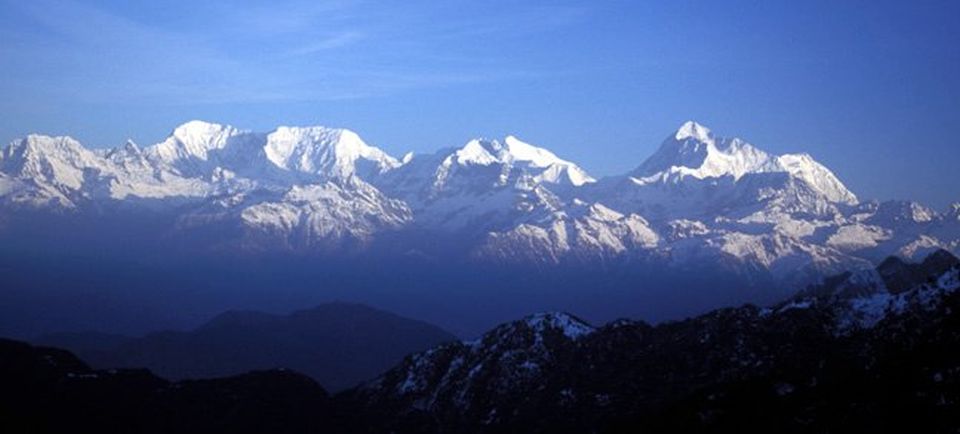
865,351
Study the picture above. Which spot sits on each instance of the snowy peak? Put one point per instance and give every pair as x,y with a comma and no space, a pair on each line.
199,148
196,131
693,130
59,161
803,166
512,153
479,152
194,140
557,170
535,333
38,146
196,160
328,152
695,152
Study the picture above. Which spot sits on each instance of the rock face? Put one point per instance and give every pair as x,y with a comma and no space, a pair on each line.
863,351
700,199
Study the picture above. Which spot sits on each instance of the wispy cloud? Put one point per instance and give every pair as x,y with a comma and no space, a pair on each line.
283,17
339,40
296,51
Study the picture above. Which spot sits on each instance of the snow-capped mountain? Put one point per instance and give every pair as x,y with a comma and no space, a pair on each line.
292,187
700,198
483,185
695,152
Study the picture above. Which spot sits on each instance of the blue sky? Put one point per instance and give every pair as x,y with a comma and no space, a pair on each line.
869,88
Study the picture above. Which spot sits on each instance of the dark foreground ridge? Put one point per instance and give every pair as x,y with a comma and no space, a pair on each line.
866,351
47,390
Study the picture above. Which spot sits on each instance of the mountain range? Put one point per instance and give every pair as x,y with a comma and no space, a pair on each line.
701,198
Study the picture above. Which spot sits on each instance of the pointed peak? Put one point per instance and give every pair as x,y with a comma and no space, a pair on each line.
571,326
478,151
693,130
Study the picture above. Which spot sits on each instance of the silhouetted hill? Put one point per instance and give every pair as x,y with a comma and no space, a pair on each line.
337,344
